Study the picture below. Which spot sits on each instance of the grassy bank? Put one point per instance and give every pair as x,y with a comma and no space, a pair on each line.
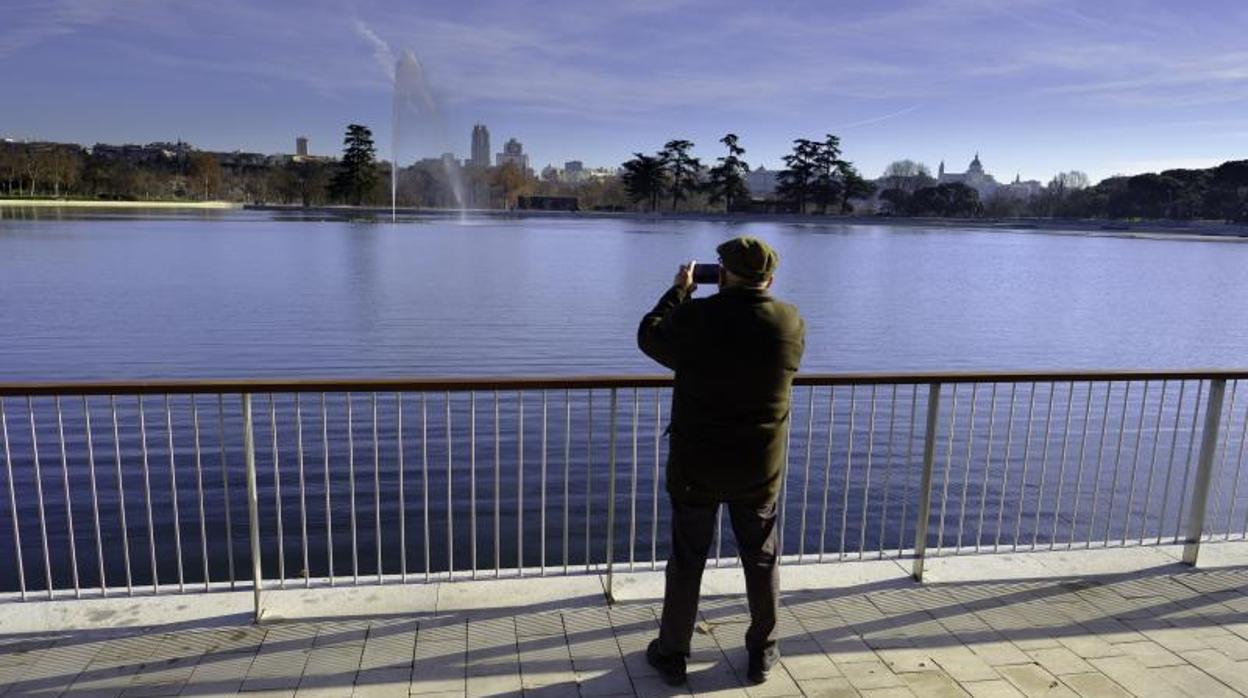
87,203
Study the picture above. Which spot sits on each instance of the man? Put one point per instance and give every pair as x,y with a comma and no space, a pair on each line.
734,354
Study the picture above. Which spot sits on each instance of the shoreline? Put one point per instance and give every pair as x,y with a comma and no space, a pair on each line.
1151,230
1207,231
59,203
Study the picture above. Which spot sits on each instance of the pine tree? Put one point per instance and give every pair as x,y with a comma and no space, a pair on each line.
727,179
357,172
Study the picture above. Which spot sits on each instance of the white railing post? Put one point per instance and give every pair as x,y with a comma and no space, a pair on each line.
611,496
1204,471
253,503
925,485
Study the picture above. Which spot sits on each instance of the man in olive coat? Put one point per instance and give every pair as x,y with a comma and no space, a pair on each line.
735,354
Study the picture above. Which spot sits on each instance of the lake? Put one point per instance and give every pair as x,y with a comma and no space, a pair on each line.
251,294
93,295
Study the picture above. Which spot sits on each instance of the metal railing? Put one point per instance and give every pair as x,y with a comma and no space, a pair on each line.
151,487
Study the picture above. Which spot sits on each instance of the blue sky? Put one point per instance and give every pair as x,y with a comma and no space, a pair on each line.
1035,86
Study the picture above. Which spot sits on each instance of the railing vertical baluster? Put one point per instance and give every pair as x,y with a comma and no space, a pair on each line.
1113,487
925,482
632,500
1100,453
43,520
147,495
784,481
905,501
983,493
543,495
329,509
303,491
121,496
1152,466
1022,480
1225,450
69,510
520,484
173,494
1005,468
849,467
377,490
1174,442
277,495
253,505
424,473
567,464
450,507
866,483
355,556
1083,441
472,481
888,465
1061,465
966,474
1044,467
827,474
944,493
398,408
225,489
810,432
1239,464
589,478
1204,470
498,465
199,488
654,514
17,530
1187,461
95,498
611,494
1135,460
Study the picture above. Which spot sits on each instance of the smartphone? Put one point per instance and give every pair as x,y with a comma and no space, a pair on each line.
706,274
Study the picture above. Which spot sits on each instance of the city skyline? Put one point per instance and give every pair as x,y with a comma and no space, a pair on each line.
1037,88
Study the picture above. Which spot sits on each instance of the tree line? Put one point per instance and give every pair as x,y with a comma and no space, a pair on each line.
815,178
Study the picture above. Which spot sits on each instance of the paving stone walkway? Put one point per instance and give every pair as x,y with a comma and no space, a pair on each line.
1162,631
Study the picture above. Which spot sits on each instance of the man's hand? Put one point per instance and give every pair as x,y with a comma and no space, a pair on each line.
684,278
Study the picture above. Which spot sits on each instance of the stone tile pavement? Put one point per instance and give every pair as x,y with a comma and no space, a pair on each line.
1094,623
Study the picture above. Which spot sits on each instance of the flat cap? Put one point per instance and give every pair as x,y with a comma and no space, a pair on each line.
749,258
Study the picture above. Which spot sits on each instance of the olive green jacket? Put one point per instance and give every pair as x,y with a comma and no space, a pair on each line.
735,354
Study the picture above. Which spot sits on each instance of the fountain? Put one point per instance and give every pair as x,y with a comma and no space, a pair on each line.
414,101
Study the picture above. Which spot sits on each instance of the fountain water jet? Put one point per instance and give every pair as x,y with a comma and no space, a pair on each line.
413,99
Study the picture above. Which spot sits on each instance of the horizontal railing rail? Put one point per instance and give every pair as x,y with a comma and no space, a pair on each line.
606,381
174,485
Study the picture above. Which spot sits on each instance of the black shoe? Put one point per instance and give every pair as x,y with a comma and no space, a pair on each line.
761,662
670,666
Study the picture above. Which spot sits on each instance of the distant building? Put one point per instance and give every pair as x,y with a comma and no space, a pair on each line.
480,146
1022,188
974,177
574,170
513,153
301,146
551,174
150,154
761,182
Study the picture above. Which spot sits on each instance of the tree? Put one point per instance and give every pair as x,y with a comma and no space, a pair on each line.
357,171
907,175
205,173
948,199
726,181
827,168
682,169
794,182
853,185
644,178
